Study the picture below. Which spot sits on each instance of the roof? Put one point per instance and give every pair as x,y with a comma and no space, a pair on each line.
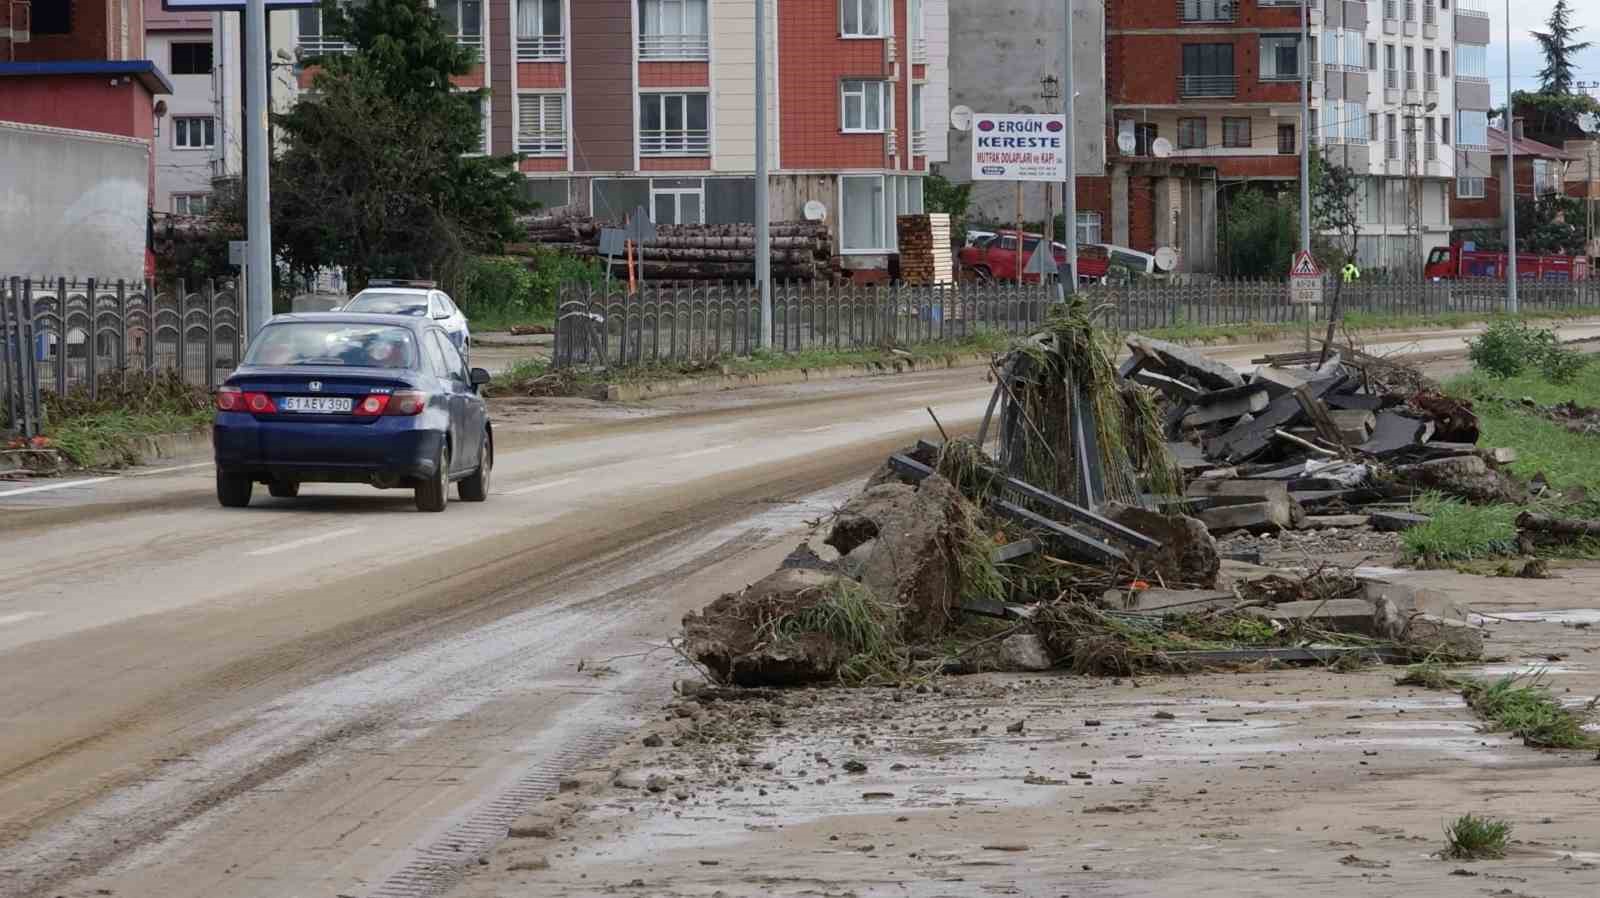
1526,147
142,69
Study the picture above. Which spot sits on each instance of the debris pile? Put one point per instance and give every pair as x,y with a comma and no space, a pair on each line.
1058,539
1305,441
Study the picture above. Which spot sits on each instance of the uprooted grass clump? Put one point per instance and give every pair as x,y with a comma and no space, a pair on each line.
1471,838
854,619
1519,704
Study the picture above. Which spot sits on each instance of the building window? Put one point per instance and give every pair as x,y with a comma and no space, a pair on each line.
191,203
1372,56
1191,133
1280,57
1145,135
1089,230
1430,149
463,20
863,106
314,39
1444,130
194,132
673,29
1470,188
1472,128
863,226
673,125
677,202
1472,61
1391,68
919,137
916,24
1235,132
1391,143
539,30
50,18
1444,63
864,18
541,124
1208,10
1207,71
1287,145
480,109
1372,126
191,58
1544,178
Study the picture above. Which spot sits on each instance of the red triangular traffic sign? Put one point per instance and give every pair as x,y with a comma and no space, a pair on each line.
1304,266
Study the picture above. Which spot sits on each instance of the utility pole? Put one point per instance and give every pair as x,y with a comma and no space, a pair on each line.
1069,189
1305,127
1512,306
258,257
763,205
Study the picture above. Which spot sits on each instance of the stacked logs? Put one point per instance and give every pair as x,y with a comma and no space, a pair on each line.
801,250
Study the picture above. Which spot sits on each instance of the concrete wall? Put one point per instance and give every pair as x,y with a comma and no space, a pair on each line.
72,203
998,54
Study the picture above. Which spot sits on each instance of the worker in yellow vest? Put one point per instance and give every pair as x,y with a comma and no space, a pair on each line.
1351,272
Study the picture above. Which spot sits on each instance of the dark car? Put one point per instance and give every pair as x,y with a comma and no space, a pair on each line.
345,397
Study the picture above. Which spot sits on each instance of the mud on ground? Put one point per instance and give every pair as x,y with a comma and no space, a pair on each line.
1257,782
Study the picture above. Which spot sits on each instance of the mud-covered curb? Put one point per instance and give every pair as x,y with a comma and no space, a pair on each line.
689,386
143,450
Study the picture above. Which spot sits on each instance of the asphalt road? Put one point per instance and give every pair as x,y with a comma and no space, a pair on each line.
338,695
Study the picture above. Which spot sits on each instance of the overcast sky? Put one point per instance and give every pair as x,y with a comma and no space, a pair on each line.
1526,60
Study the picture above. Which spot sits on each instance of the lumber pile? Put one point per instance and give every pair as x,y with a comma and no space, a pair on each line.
801,250
1304,441
925,253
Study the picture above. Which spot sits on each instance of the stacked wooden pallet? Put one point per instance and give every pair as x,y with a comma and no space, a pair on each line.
925,254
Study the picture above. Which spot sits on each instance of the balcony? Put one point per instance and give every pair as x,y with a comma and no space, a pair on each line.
1208,10
1391,9
541,48
1411,10
919,51
1411,81
542,143
674,46
1430,82
919,143
1391,79
1472,8
675,143
321,46
1430,152
1208,85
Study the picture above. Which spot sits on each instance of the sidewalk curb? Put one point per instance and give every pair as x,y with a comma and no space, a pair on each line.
154,447
690,386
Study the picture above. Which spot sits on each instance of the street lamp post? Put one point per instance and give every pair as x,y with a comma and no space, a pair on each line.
1511,182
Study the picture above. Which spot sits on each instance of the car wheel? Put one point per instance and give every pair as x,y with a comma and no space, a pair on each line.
233,490
476,487
283,489
433,493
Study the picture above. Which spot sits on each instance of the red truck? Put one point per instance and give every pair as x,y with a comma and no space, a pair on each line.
995,258
1458,262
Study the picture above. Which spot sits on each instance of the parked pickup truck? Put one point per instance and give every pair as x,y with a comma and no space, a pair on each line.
995,258
1460,262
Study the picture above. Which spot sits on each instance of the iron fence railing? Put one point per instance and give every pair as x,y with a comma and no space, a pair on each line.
1208,85
541,47
61,335
674,46
617,329
1207,10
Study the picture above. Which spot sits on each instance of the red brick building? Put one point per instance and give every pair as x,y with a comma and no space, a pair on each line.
1479,203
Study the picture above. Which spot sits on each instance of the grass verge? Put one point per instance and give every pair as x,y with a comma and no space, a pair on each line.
1458,532
102,429
1470,838
109,437
1353,321
1521,705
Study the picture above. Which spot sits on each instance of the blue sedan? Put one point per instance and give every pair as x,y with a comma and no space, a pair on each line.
344,397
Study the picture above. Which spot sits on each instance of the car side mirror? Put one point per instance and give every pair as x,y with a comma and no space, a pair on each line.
480,377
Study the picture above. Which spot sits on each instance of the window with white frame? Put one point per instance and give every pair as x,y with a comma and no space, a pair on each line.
678,201
1472,128
314,38
480,108
194,132
542,124
539,31
919,137
1544,178
673,124
1470,188
1280,57
863,106
463,20
1089,230
919,35
191,203
1472,61
863,224
673,29
864,18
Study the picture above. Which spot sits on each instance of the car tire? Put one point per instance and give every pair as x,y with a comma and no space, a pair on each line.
434,493
476,487
283,489
233,490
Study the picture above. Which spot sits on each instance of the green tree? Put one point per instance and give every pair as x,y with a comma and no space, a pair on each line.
1335,210
1261,231
1549,225
1559,48
379,174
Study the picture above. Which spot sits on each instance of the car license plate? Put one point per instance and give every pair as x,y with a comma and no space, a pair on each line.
317,405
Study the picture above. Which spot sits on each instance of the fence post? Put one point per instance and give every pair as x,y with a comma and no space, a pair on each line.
210,294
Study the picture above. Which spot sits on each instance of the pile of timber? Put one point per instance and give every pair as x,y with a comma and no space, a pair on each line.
1305,440
801,250
925,249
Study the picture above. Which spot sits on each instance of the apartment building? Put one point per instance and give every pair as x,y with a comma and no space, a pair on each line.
613,105
1204,100
197,139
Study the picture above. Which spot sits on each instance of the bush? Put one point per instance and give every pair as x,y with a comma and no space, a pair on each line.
518,289
1508,348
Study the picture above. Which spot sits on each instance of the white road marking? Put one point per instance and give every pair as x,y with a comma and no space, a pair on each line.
19,617
706,451
302,543
55,486
198,464
534,487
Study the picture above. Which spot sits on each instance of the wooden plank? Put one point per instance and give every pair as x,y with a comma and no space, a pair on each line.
1238,492
1320,416
1013,551
1172,388
1257,517
1248,438
1084,547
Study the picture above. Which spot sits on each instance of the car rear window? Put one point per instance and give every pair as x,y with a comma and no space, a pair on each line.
333,343
390,304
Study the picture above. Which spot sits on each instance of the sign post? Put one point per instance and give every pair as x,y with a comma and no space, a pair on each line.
1305,286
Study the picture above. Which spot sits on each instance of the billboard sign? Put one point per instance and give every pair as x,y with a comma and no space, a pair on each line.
1019,148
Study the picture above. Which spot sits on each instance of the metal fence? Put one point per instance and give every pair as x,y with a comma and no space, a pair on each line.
595,327
62,335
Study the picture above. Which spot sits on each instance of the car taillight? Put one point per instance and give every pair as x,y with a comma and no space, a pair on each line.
372,406
259,404
229,399
406,402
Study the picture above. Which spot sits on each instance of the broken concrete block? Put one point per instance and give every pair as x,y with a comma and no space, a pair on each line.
1024,651
1446,640
1276,381
1187,553
1340,615
1355,426
1409,599
1335,521
1396,521
1256,517
1249,403
1172,388
1466,477
1392,432
1179,361
1386,620
1238,492
1179,601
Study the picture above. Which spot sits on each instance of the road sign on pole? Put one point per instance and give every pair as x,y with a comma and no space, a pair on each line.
1305,280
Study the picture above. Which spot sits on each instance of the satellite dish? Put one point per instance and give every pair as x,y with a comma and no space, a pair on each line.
1589,122
1161,147
816,211
1127,143
961,118
1166,258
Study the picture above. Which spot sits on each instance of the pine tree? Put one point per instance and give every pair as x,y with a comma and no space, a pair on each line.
1559,50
